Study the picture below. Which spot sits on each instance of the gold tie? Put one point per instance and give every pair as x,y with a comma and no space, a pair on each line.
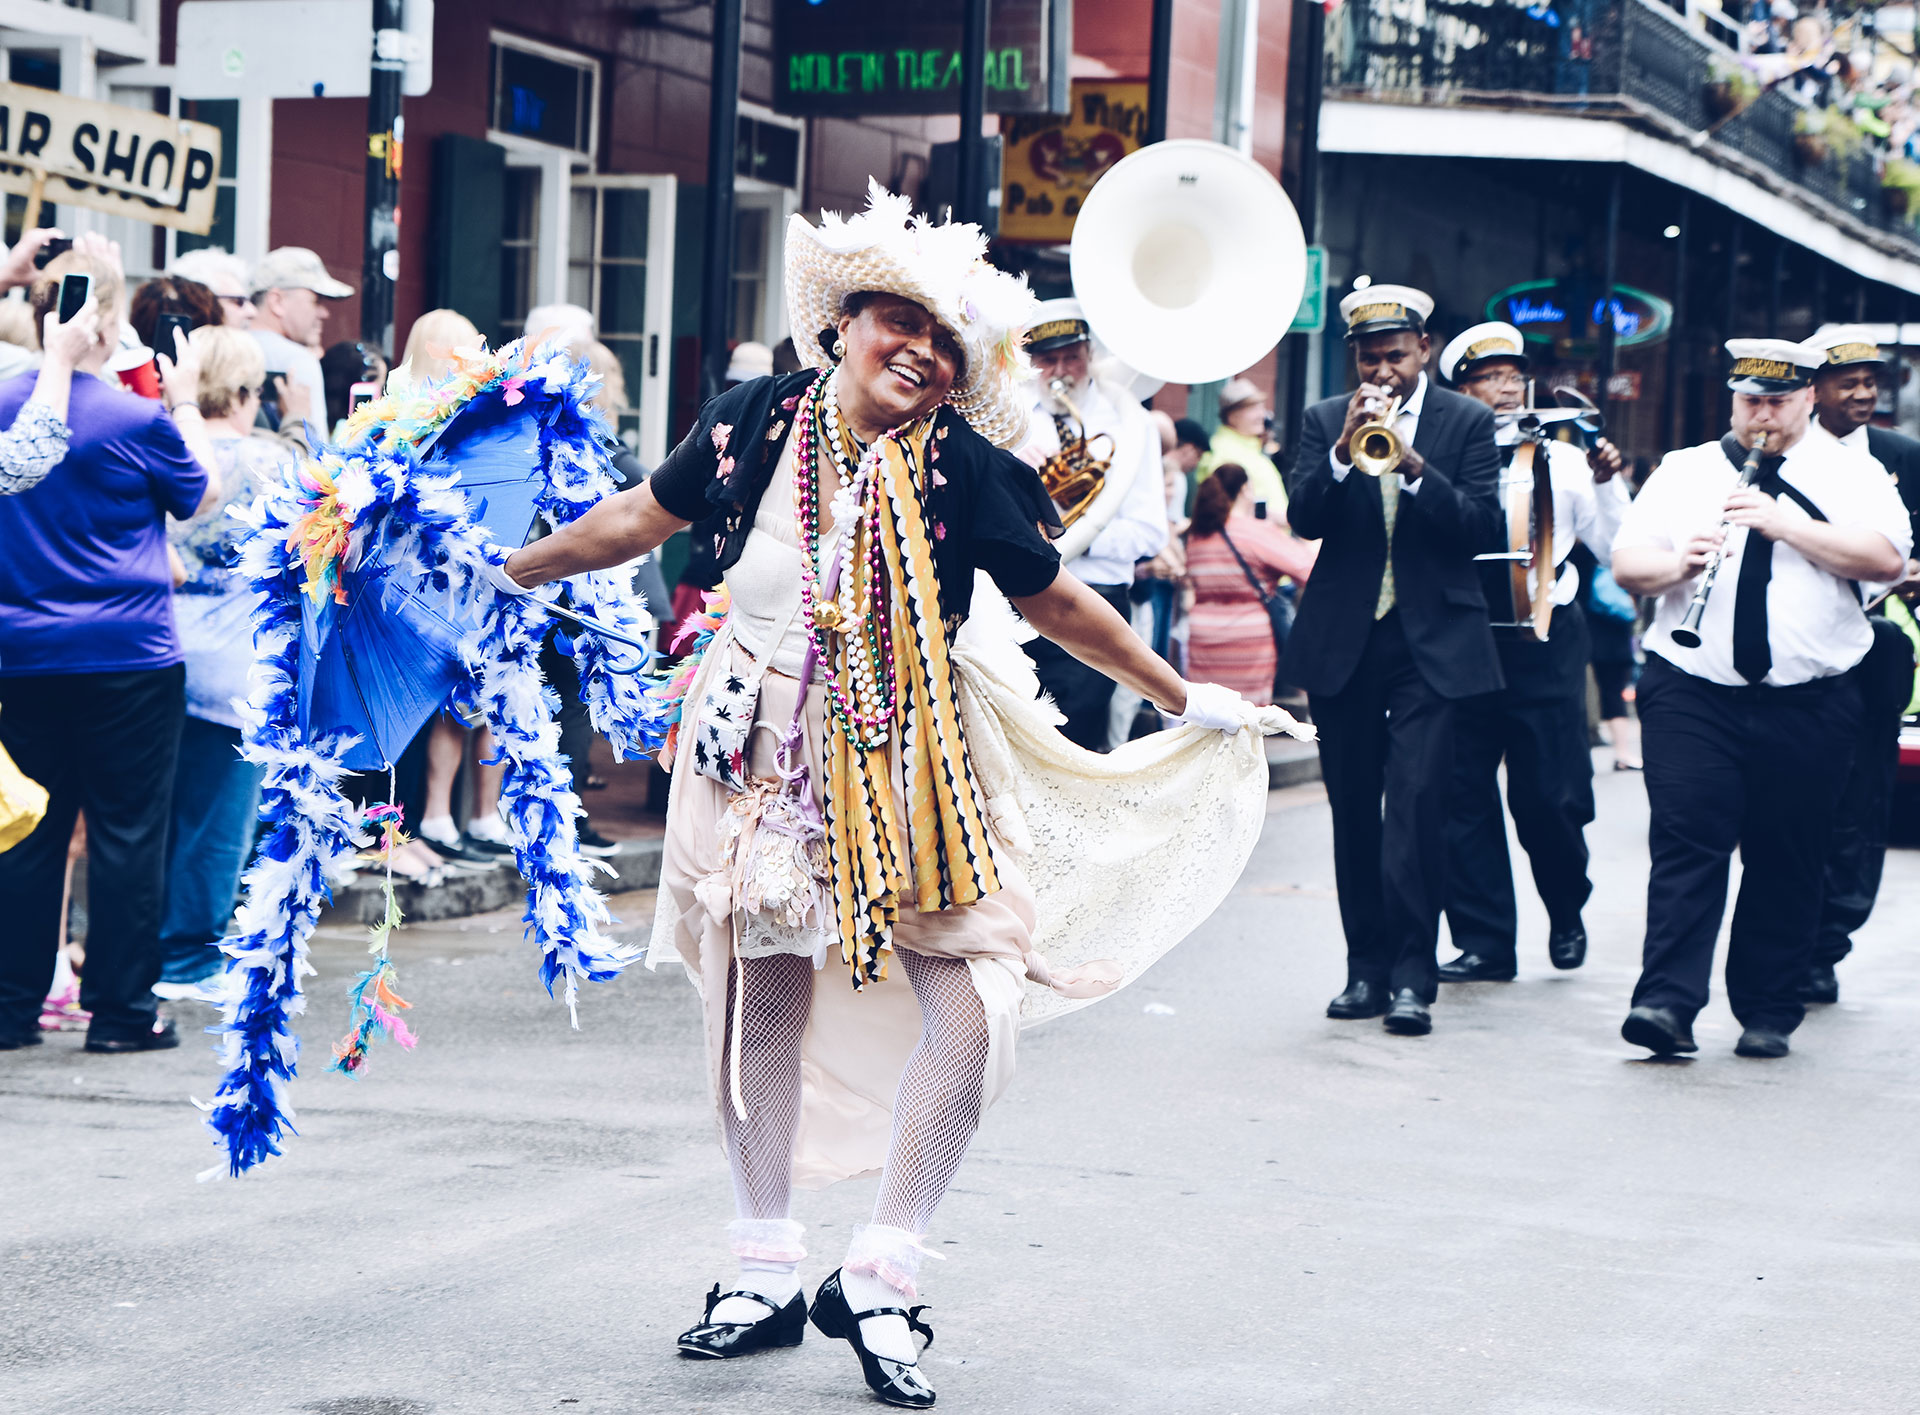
1389,508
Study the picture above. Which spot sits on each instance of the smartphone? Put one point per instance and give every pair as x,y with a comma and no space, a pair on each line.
58,246
1260,510
74,292
359,395
163,328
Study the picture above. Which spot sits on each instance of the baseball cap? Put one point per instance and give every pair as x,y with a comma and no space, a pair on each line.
297,268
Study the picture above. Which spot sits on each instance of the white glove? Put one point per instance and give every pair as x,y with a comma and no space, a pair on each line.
1210,705
496,575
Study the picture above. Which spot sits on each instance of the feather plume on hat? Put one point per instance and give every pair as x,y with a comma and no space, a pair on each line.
944,268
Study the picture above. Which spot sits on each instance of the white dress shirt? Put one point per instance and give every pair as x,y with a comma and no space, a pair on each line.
1815,626
1406,423
1139,531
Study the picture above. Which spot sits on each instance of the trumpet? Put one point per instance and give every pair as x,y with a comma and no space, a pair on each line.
1688,634
1375,448
1074,475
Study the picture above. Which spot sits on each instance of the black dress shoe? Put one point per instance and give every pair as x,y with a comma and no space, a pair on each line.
1408,1017
13,1041
718,1341
1478,968
160,1038
1822,985
1567,948
1361,999
1659,1030
896,1382
1759,1042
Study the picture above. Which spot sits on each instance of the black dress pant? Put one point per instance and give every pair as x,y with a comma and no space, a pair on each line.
1388,733
1760,768
1083,694
104,743
1538,725
1859,848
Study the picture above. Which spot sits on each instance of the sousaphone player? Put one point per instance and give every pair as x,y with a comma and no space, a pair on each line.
1099,454
1537,724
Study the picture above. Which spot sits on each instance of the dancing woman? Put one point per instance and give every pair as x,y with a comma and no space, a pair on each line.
850,508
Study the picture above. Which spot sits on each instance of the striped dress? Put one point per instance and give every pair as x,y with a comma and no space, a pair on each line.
1230,638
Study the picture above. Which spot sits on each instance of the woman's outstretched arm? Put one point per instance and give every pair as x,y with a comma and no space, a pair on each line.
615,531
1087,627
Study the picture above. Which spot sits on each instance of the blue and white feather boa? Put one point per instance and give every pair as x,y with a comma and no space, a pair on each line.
418,522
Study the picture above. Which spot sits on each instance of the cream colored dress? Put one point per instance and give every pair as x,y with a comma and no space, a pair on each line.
1105,862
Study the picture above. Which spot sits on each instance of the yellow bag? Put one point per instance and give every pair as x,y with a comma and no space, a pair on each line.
22,803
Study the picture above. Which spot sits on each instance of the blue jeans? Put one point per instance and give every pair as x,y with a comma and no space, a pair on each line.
215,798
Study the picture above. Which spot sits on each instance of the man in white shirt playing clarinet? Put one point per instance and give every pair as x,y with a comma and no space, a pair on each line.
1749,734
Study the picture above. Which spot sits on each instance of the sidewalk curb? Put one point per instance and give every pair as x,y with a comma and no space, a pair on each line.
462,893
1291,763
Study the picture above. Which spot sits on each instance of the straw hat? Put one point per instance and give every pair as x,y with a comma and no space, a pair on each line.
943,268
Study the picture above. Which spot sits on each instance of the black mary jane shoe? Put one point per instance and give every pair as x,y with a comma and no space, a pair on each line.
720,1341
895,1382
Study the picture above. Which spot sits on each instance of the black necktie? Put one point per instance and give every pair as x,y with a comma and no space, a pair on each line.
1752,654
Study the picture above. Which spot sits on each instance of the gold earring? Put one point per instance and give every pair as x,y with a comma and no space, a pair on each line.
839,348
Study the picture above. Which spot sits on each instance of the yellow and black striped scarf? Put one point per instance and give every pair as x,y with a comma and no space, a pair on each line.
942,857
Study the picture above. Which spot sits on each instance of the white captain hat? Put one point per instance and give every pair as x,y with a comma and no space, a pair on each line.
1481,344
1057,324
1771,366
1848,344
1382,309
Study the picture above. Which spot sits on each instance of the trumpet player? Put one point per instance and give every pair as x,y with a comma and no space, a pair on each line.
1748,734
1080,425
1391,633
1537,724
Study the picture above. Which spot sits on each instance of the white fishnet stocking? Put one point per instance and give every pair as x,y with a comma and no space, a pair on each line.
941,1093
779,992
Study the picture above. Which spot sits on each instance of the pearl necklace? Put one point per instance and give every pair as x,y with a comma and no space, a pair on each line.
859,611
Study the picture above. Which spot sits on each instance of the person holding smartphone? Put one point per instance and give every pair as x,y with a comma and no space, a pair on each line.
38,440
92,687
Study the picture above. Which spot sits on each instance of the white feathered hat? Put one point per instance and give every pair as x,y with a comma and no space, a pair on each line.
943,268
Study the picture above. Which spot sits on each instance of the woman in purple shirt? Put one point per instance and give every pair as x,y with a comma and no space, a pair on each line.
92,691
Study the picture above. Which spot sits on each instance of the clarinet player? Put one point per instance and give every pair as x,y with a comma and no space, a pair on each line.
1748,735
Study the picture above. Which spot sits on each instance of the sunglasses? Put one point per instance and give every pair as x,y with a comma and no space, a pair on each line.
237,301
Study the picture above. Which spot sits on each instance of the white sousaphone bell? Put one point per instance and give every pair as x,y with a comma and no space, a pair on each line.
1188,261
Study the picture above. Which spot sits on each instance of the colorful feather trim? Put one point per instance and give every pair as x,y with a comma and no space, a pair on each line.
372,491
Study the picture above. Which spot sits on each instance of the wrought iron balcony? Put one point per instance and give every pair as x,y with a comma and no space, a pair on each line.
1626,60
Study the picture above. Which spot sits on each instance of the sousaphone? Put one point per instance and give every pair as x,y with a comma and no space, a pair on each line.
1188,261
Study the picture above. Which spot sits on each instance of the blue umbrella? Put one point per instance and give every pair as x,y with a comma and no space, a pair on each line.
380,665
383,663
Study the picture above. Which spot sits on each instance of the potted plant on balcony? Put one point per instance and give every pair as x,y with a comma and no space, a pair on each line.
1823,133
1900,187
1731,86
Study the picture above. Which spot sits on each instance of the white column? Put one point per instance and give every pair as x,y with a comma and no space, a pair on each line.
253,180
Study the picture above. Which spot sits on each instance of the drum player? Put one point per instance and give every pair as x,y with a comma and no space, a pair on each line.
1124,523
1538,721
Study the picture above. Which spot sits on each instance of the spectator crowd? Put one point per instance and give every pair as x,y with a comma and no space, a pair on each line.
133,435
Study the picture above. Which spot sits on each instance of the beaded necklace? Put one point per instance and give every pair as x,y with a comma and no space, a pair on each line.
859,610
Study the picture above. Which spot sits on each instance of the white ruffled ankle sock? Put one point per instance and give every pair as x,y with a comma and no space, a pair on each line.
877,1249
439,829
769,1252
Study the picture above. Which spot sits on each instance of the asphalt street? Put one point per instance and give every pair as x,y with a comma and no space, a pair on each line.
1199,1196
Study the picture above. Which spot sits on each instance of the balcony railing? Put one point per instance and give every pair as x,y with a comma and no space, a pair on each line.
1601,58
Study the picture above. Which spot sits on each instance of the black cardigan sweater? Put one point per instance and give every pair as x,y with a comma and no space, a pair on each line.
986,507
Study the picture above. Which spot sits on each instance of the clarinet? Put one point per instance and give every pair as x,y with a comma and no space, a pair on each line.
1688,634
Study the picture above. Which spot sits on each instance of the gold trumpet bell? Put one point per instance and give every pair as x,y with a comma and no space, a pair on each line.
1375,448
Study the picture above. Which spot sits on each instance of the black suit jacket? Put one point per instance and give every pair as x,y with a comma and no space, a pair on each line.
1438,529
1900,455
